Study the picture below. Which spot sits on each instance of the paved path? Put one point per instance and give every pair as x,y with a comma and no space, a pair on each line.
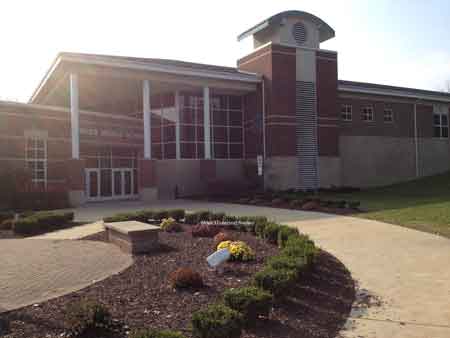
32,271
407,270
78,232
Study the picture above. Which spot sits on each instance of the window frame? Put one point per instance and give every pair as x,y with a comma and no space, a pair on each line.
347,113
32,163
363,114
391,114
440,126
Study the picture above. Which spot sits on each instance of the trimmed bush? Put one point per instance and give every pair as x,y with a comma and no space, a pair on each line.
7,224
284,232
278,282
42,222
204,215
87,318
144,216
239,250
285,262
354,205
123,217
217,216
6,215
185,278
176,214
270,232
300,246
144,333
159,215
260,224
170,225
251,302
217,321
191,219
205,230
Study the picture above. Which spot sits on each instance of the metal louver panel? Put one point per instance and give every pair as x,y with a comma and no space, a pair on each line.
299,33
306,133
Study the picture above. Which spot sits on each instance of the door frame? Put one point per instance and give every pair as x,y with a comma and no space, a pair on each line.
88,184
113,196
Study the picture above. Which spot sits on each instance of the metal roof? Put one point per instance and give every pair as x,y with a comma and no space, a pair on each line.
325,31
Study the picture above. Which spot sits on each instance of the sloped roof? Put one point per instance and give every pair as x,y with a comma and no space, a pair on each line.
325,31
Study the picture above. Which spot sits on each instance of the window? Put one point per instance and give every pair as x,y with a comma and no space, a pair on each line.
388,116
346,112
36,156
367,114
440,124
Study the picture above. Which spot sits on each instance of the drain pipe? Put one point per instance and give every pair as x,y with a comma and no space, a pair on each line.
264,132
416,139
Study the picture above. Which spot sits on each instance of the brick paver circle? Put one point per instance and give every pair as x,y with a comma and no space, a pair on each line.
32,271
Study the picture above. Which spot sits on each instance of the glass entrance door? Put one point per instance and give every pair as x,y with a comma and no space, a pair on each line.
106,184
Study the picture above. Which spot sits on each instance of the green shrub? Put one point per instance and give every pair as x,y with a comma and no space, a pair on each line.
144,333
278,282
191,218
251,302
203,215
185,278
6,215
270,232
170,225
217,216
144,216
158,215
354,205
300,246
7,224
285,262
87,318
122,217
284,232
217,321
229,218
176,214
260,225
42,222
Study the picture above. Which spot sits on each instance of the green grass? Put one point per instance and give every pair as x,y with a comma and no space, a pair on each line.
422,204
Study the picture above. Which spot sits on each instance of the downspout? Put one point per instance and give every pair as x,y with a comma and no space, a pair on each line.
264,116
416,139
264,132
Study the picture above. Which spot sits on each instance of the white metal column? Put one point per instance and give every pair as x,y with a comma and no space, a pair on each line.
75,116
207,123
177,125
147,120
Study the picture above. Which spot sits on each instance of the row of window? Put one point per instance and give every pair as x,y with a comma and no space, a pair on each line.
440,120
367,114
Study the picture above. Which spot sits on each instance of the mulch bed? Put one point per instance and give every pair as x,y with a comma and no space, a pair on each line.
8,234
141,297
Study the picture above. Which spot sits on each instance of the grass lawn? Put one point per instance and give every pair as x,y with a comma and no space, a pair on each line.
422,204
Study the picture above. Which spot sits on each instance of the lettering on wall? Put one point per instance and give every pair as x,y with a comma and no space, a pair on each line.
111,132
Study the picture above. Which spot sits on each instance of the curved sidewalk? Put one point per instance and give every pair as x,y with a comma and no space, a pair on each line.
33,270
406,271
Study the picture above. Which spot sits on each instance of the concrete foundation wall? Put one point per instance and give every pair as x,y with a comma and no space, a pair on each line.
280,173
376,161
329,171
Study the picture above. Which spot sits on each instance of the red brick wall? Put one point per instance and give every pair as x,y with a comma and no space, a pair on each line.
277,64
327,104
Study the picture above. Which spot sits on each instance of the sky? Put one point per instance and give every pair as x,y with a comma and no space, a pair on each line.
395,42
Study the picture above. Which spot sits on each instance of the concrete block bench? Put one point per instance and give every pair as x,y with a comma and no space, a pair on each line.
133,237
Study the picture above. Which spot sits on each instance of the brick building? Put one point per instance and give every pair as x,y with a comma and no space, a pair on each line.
108,127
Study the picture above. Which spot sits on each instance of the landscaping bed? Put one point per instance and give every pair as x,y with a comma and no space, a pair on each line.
297,290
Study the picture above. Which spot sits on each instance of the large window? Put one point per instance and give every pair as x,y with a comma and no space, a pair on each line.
367,114
440,124
226,127
36,157
346,112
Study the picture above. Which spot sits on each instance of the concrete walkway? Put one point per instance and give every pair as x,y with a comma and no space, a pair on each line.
74,233
32,271
405,272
